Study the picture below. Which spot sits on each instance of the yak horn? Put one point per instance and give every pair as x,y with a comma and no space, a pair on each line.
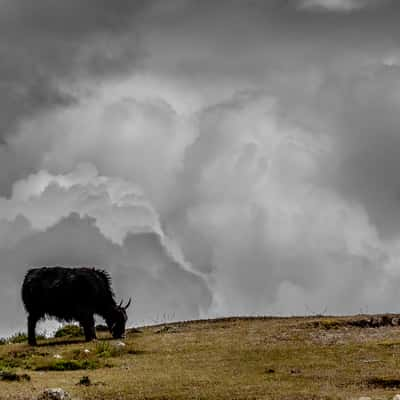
128,303
120,304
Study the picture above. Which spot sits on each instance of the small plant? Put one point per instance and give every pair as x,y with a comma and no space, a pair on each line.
66,365
19,337
330,323
69,330
105,349
10,376
25,377
9,362
77,353
85,380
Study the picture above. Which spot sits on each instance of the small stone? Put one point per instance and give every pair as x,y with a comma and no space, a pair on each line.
54,394
57,356
295,371
86,351
120,344
395,322
396,397
364,398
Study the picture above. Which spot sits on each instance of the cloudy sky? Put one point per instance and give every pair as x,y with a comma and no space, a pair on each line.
238,157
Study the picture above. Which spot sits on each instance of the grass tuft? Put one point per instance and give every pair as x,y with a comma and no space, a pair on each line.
19,337
328,323
69,330
11,376
65,365
107,349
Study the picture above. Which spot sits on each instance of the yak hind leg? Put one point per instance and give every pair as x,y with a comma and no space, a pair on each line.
32,321
87,324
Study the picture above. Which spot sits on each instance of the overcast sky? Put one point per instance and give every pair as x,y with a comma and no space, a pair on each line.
231,157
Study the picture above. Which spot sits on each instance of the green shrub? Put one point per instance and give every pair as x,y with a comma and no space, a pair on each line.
7,375
330,323
65,365
69,330
19,337
6,363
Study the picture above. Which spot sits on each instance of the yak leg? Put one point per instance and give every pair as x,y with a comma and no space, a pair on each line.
88,327
32,320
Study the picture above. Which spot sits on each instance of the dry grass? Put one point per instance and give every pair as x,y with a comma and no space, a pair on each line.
236,358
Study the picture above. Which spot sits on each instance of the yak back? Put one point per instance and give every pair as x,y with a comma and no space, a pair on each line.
66,293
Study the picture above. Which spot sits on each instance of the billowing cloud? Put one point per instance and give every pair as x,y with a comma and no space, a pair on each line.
253,212
53,53
117,205
337,5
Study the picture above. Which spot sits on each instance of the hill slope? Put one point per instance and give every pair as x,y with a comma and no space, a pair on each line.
233,358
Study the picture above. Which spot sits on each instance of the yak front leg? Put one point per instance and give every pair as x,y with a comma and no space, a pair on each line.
88,327
32,320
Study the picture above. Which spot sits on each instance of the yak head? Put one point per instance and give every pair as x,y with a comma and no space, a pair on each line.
116,323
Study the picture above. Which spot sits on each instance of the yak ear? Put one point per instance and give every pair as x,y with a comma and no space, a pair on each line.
128,303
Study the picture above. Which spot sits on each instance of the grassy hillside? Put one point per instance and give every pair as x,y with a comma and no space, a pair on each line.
234,358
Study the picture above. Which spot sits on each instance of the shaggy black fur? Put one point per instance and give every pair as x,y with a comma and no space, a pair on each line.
72,294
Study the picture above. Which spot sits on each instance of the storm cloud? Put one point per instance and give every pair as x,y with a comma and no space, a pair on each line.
218,159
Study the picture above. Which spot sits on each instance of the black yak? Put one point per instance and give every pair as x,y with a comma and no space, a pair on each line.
72,294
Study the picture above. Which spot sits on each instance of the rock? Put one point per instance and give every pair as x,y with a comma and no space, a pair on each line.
54,394
120,344
295,371
396,397
86,351
364,398
57,356
395,322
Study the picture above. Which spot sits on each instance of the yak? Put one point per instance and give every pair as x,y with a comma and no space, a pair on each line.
72,294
